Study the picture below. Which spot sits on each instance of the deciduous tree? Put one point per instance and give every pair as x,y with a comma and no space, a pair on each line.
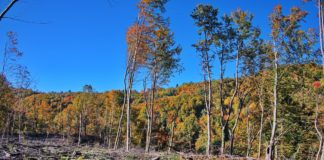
161,59
206,20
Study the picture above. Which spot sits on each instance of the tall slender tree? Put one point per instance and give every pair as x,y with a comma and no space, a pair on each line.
245,35
259,81
205,17
287,41
10,67
137,48
320,4
23,82
316,124
224,41
161,60
11,54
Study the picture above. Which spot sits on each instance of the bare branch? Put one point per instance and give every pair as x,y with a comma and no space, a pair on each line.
7,9
25,21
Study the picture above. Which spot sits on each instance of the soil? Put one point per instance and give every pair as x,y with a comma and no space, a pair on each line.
56,148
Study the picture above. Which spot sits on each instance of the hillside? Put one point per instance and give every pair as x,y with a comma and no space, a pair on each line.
258,70
179,117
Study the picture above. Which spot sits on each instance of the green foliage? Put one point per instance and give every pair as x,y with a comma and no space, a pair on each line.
180,114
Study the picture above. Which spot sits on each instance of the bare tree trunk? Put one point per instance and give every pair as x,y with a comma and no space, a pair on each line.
223,140
319,134
271,146
68,126
208,98
110,126
129,90
248,130
61,120
207,91
128,81
128,111
84,124
171,137
148,134
209,110
148,113
223,127
321,30
151,113
232,133
130,68
80,128
261,121
122,111
275,152
231,102
119,127
322,156
128,119
19,115
104,135
35,119
208,133
131,73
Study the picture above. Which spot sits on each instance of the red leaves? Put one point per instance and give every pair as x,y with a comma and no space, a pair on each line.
316,84
278,8
137,38
12,37
12,44
284,24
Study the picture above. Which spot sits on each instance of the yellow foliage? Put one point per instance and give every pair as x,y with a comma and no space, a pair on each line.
252,106
227,101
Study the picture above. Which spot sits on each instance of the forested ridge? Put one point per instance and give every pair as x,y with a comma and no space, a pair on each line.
179,116
271,108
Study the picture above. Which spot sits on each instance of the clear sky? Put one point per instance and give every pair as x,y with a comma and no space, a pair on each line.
83,41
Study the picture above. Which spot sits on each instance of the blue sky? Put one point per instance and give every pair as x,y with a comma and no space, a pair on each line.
83,41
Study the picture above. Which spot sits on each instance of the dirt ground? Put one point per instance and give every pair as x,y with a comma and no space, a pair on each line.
59,149
55,148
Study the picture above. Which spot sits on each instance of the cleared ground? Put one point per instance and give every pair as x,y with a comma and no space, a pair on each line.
55,148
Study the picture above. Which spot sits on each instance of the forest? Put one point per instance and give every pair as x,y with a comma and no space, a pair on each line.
272,107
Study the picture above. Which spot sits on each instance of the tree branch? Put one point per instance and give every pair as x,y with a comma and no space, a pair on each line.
7,9
25,21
